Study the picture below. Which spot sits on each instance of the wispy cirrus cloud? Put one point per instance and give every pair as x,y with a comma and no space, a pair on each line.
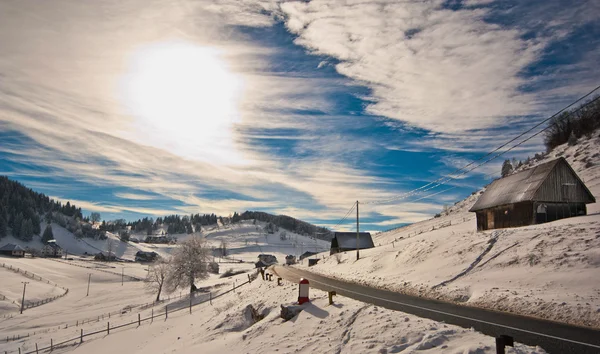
385,93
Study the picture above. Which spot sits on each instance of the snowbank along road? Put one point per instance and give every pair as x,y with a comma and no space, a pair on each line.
552,336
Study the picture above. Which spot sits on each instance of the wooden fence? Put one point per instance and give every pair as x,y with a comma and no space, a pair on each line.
31,304
79,339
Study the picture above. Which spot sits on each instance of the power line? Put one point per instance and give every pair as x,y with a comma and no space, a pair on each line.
345,216
442,180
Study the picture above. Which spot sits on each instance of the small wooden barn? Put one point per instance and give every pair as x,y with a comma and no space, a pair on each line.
347,241
543,193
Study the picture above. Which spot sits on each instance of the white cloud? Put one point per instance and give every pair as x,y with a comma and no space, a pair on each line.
445,71
134,196
437,69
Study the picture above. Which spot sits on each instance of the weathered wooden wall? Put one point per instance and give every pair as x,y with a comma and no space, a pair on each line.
562,185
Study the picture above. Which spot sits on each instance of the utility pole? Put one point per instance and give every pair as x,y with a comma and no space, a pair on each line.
89,279
357,238
23,300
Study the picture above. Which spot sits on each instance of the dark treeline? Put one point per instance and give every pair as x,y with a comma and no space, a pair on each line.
572,125
286,222
175,224
22,209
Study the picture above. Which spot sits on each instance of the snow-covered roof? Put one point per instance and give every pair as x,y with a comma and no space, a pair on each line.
348,240
11,247
525,186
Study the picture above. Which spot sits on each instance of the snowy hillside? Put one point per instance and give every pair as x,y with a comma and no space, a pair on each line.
245,240
548,270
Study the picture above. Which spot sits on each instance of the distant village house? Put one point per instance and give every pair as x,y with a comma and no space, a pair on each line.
52,249
12,250
347,241
142,256
544,193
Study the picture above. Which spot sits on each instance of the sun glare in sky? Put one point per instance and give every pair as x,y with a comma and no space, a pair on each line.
184,99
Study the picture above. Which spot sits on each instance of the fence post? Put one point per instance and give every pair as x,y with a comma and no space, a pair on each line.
152,320
139,320
166,311
210,297
107,327
81,336
51,345
36,349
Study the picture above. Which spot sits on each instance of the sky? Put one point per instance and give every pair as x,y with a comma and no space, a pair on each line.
136,108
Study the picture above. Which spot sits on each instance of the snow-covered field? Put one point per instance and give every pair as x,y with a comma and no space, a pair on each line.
549,270
348,326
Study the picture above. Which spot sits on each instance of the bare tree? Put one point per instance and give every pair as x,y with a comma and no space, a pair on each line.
156,278
189,263
95,217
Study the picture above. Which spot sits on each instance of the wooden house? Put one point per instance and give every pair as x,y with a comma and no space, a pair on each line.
348,241
12,250
544,193
52,249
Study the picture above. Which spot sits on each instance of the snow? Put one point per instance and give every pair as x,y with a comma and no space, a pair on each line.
245,241
548,270
347,326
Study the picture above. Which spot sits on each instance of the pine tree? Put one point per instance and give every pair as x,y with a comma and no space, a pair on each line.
26,233
3,227
507,168
48,234
17,222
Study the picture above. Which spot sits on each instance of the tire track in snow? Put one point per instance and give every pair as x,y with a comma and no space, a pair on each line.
477,260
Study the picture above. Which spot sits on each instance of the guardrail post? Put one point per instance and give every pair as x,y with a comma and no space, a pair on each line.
331,295
502,342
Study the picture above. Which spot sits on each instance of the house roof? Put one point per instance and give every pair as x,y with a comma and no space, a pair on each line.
53,244
307,254
348,240
11,247
519,187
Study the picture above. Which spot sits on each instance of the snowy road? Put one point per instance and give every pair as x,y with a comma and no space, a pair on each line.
554,337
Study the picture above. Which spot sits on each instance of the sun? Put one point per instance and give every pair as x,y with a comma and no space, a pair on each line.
184,99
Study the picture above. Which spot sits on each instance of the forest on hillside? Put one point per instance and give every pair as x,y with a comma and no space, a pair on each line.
287,222
22,209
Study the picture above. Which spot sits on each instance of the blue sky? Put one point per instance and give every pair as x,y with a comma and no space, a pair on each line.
144,108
